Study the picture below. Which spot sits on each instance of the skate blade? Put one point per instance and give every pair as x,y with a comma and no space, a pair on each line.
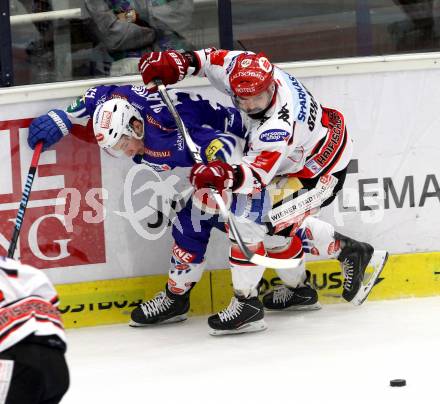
255,326
377,261
176,319
305,307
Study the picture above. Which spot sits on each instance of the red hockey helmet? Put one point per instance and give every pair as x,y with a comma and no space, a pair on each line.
251,75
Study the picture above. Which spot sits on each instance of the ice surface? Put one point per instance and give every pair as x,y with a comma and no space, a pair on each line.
340,354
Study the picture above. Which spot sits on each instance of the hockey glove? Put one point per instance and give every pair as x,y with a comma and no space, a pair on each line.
216,174
49,128
169,66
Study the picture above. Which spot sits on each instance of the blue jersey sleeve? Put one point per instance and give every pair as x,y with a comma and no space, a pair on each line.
82,109
199,112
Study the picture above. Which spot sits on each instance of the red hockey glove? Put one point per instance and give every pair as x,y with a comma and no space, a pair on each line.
169,66
216,174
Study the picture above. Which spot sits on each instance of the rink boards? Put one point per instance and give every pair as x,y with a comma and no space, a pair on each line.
106,245
111,301
91,218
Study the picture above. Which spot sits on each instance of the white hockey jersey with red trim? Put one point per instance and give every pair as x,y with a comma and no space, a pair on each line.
296,136
27,304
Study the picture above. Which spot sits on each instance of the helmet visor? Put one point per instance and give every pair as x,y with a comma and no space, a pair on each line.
256,103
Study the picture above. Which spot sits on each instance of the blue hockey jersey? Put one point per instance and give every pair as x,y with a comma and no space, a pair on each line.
215,129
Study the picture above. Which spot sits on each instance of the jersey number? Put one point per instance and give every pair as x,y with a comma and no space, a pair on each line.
313,113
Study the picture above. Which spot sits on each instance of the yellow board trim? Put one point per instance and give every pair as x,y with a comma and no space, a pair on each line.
111,301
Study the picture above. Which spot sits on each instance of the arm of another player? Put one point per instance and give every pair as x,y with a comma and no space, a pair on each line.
255,170
172,66
197,110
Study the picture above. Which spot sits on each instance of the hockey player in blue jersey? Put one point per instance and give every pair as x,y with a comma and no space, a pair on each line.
131,120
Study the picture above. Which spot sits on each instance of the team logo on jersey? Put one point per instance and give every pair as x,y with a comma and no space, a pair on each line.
274,135
212,149
77,105
313,166
141,91
283,114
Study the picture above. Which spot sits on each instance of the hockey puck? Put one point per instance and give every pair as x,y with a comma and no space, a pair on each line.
398,383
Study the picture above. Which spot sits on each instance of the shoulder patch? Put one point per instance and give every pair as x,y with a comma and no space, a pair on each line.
218,57
77,105
213,149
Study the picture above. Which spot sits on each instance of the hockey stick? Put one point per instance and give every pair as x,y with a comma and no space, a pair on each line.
24,199
256,259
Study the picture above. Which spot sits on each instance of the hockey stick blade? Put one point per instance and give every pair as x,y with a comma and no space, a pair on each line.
256,259
274,263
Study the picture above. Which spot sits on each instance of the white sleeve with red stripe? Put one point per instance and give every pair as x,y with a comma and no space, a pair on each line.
27,304
18,280
261,164
216,65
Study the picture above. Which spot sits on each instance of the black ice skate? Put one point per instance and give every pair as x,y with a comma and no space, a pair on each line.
165,307
242,315
355,256
284,297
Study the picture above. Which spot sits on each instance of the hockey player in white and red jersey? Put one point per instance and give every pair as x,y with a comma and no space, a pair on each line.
33,369
289,135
